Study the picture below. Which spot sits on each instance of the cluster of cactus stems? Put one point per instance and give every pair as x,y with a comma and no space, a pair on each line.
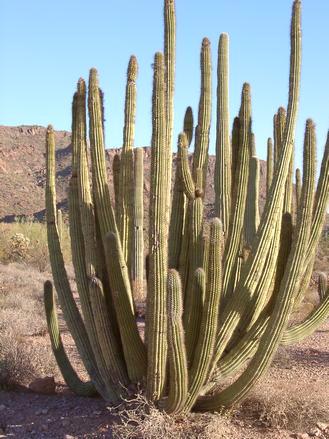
219,293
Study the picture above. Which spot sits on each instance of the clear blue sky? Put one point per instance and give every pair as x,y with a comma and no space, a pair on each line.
47,45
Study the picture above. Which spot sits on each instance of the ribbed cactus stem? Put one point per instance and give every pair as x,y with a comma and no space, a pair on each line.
240,185
116,164
208,329
254,266
158,241
288,286
125,189
252,209
70,310
69,374
270,165
322,286
178,370
298,187
178,209
60,225
188,126
222,174
204,115
138,253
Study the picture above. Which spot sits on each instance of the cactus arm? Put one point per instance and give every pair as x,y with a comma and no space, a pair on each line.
241,183
320,204
208,329
60,225
102,200
254,266
178,215
252,209
288,287
125,206
204,117
187,179
298,187
188,124
235,142
116,164
223,148
133,347
65,295
69,374
169,60
196,305
107,352
138,253
318,316
158,254
270,167
322,286
178,371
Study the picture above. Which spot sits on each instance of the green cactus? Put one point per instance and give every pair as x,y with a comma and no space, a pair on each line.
219,293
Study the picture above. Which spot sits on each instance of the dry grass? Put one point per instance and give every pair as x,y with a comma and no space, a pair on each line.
26,242
296,410
139,419
22,320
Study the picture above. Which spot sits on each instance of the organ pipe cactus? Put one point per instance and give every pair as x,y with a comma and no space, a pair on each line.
219,292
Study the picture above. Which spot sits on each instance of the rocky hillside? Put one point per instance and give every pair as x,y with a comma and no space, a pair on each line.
22,171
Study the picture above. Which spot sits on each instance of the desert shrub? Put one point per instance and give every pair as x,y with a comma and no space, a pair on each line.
25,241
22,358
22,361
140,419
297,411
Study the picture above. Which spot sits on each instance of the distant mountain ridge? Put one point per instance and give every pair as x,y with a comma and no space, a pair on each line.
23,171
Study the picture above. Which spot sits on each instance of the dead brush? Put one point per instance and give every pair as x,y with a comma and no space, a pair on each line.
139,419
294,411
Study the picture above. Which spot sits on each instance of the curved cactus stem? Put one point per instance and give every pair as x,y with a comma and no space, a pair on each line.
70,310
254,266
69,374
178,371
318,316
187,179
82,231
102,200
133,346
288,287
208,329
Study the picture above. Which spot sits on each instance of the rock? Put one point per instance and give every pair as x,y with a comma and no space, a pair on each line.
2,407
66,422
44,427
45,385
302,436
322,426
315,432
